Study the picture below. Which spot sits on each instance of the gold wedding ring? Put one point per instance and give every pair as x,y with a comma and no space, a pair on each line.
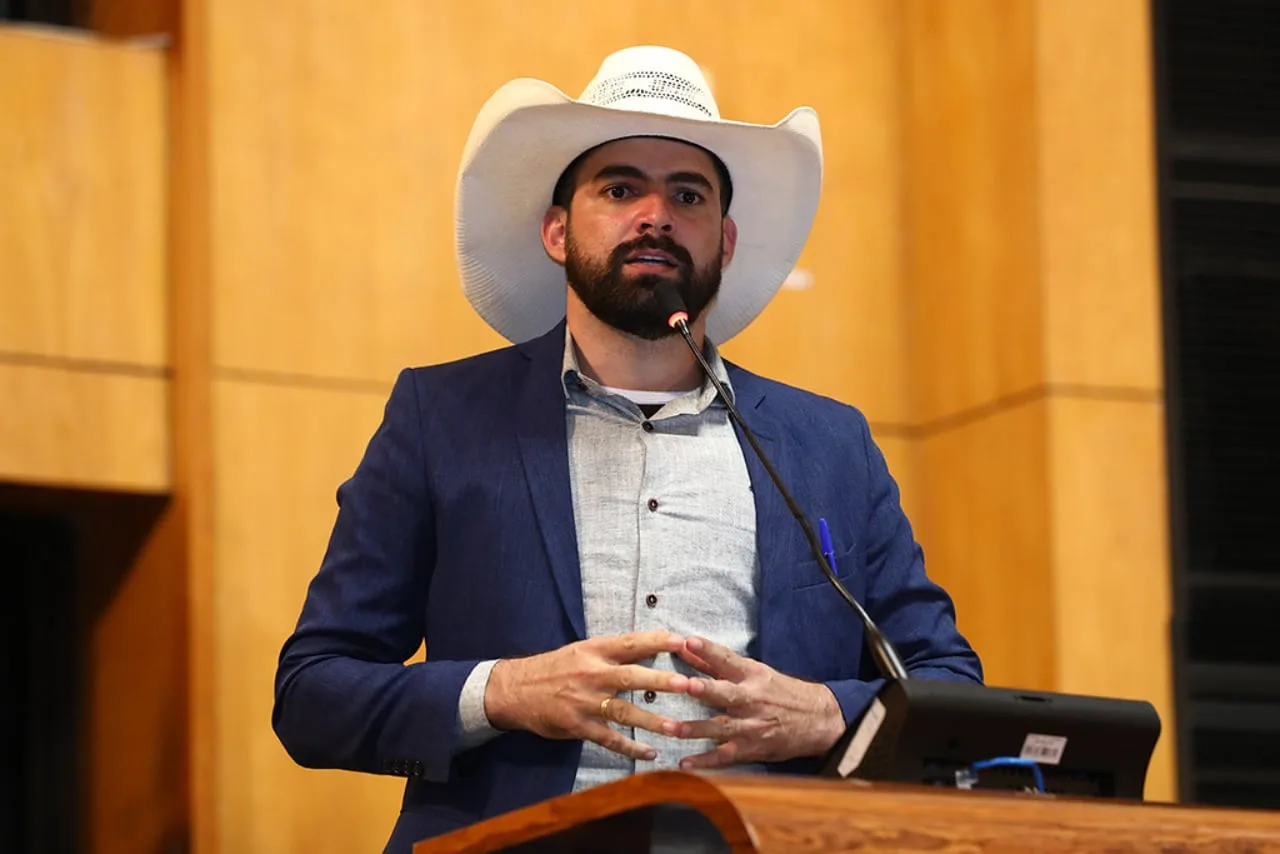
604,707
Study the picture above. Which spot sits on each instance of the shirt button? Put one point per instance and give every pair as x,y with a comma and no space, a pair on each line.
651,600
653,504
650,696
647,426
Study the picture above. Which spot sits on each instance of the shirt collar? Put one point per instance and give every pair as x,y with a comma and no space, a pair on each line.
574,381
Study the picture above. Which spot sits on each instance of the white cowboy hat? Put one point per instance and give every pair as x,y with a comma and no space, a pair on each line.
529,131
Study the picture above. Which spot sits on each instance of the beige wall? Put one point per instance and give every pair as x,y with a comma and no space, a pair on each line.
983,287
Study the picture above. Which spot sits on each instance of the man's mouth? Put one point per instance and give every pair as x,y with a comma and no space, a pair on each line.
651,259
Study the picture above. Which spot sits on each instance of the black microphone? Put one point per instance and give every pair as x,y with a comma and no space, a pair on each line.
881,649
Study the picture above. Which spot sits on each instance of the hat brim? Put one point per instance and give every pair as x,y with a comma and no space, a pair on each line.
529,131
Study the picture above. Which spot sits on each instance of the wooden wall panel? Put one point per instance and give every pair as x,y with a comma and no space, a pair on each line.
281,453
132,18
1032,285
333,216
191,351
972,269
136,718
1096,145
840,334
1100,281
334,207
82,214
984,521
85,386
63,427
1110,551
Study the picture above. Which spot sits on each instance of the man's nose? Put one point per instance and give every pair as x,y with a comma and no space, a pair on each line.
655,214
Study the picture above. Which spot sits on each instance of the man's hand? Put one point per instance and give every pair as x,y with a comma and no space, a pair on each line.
561,694
768,716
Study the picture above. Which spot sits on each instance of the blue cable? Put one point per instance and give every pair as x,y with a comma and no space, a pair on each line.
1013,762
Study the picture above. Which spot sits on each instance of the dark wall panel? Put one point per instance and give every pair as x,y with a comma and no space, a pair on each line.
1218,91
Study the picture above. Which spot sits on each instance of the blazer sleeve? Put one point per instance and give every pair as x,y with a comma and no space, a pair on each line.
916,614
344,697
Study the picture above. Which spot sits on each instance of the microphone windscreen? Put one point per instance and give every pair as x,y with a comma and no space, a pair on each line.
669,301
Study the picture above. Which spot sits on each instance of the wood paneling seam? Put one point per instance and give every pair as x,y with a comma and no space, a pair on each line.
84,366
291,380
1046,391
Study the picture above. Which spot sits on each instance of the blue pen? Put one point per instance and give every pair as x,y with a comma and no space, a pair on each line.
828,550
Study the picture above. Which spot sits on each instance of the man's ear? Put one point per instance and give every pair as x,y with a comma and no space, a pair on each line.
729,241
555,229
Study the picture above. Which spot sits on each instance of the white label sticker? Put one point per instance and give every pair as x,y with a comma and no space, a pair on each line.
862,736
1043,748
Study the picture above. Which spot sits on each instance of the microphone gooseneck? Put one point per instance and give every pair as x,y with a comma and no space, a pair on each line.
882,649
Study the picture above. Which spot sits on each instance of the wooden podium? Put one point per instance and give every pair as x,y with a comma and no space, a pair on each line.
742,813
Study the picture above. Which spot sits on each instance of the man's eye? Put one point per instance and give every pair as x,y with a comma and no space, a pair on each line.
689,197
618,191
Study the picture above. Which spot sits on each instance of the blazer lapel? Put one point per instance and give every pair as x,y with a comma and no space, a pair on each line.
544,449
778,534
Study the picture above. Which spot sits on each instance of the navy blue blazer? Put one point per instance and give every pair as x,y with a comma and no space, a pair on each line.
457,528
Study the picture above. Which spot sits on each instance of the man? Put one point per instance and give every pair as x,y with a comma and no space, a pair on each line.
605,581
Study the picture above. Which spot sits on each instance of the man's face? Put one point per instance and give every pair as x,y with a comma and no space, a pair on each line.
644,211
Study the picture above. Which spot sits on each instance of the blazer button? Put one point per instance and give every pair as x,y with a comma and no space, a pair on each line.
653,504
647,426
651,600
650,696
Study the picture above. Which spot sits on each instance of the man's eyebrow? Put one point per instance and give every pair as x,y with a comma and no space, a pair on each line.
695,178
619,170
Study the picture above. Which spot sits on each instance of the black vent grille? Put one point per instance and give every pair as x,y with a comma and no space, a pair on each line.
1229,391
1218,85
1222,74
1224,235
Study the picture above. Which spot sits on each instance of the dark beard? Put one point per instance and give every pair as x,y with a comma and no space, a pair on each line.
628,304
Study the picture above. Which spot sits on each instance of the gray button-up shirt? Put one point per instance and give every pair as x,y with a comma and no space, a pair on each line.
666,533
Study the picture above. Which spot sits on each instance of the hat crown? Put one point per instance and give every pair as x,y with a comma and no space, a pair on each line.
651,79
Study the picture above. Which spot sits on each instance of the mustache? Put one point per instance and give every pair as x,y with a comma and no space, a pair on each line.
650,241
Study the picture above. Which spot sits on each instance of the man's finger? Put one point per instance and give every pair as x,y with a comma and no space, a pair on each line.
611,739
721,728
715,659
696,661
637,646
630,715
718,693
729,753
633,677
